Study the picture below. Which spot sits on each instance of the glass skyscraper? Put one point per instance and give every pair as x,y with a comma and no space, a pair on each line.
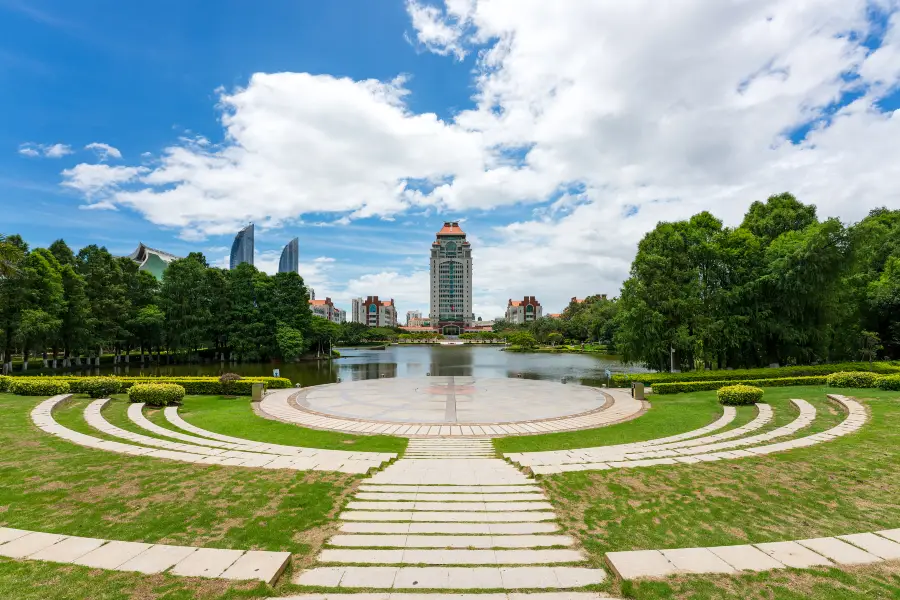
242,248
290,259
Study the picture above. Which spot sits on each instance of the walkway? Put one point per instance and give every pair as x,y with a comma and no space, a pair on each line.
458,407
450,518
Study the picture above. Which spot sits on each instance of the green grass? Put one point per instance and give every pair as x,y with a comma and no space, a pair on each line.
847,485
55,486
235,417
665,418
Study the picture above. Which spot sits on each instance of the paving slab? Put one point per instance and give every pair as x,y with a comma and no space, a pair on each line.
8,534
369,577
746,558
157,559
321,576
891,534
27,545
874,544
792,554
839,551
697,560
632,564
423,578
68,549
206,562
112,555
258,564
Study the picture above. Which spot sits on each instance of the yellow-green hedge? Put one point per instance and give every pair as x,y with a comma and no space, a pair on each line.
4,382
37,386
889,383
210,386
739,395
156,394
700,386
853,379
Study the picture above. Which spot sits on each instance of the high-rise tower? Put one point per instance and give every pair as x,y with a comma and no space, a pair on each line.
290,257
451,280
242,247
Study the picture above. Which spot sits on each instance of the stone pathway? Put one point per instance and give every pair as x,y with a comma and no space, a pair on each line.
854,549
286,405
186,561
449,516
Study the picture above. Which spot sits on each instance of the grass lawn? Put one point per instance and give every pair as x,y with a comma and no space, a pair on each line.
55,486
847,485
235,417
665,418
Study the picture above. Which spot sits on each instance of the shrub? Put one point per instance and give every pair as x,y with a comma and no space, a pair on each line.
208,386
100,387
889,382
156,394
701,386
739,395
227,380
38,386
4,382
853,379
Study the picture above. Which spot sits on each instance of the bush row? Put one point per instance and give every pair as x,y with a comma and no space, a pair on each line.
739,395
156,394
105,386
37,386
624,380
700,386
4,382
889,383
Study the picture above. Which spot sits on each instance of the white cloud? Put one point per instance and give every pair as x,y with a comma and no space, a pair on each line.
98,182
610,115
33,150
104,151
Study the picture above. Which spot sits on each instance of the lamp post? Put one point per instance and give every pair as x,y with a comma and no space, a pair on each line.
671,359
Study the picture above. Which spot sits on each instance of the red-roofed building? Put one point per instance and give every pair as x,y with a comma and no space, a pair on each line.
374,312
523,311
327,310
451,280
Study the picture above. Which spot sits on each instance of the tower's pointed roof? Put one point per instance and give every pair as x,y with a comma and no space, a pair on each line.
451,228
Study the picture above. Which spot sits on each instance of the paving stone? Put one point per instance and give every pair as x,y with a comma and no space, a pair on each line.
697,560
839,551
570,577
792,554
891,534
424,578
874,544
369,577
537,557
383,528
68,549
258,564
8,534
331,555
112,555
321,576
27,545
157,559
206,562
746,558
633,564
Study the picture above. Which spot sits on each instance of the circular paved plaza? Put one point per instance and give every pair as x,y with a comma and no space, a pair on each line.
450,406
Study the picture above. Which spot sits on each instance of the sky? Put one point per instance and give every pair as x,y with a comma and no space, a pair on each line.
557,133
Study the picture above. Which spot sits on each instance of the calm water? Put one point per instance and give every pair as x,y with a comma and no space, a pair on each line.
412,361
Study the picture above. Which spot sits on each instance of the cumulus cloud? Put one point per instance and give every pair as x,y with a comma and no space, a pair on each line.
99,182
606,117
104,151
32,150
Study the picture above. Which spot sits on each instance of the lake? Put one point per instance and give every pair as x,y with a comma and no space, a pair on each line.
408,361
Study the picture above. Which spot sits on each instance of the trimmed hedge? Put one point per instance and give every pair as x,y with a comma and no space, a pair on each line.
739,395
38,386
100,387
207,386
854,379
889,383
4,382
746,375
701,386
156,394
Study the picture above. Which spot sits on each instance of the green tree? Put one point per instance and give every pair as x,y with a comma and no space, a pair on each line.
522,339
555,338
184,301
290,342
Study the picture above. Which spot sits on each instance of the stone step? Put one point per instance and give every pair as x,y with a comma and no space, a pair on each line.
451,506
450,541
451,528
416,556
472,596
447,516
462,497
452,578
450,489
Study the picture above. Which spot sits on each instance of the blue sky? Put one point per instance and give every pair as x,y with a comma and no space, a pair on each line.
361,126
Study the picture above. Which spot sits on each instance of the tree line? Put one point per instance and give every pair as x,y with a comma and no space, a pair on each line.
69,306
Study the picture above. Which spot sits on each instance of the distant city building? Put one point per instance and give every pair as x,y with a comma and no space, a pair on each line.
312,293
523,311
326,309
414,318
358,311
242,247
554,316
451,280
379,313
290,257
152,260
